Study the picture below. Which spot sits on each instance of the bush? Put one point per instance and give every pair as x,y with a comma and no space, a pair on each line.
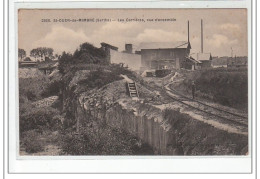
30,141
52,89
99,78
86,54
193,137
37,118
31,88
102,140
225,86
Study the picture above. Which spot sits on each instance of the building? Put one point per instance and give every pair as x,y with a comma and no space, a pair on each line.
205,59
27,64
128,48
127,58
192,64
237,62
106,46
159,55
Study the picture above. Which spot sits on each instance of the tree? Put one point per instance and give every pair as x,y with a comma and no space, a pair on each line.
64,62
87,53
21,53
41,52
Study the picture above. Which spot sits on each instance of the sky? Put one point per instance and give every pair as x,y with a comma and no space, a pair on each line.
223,29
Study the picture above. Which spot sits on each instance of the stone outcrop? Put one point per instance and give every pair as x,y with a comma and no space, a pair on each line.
167,135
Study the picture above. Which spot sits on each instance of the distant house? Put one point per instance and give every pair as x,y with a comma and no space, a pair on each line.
158,55
192,64
219,62
204,58
229,62
47,67
237,62
27,64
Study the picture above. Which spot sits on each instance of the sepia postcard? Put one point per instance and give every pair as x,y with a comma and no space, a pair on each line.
136,82
130,87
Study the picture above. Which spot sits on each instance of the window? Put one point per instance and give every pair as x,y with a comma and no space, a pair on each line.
172,54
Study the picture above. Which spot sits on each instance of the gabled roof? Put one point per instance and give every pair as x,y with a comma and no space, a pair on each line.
103,44
164,45
201,56
193,60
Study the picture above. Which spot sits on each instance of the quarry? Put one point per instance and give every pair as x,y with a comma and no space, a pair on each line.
154,99
112,110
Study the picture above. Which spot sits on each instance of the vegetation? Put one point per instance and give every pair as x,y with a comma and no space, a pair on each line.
192,137
86,54
34,121
99,78
21,53
99,139
41,52
37,118
227,86
30,141
94,138
32,88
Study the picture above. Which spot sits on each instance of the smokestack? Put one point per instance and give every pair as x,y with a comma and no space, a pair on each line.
188,31
201,36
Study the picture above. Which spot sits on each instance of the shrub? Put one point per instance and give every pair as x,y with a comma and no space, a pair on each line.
194,137
30,141
52,89
31,88
37,118
99,78
102,140
225,86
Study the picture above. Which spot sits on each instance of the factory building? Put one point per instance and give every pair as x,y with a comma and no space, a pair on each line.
173,55
160,55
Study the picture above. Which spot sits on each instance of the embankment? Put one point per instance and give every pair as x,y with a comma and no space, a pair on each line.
168,132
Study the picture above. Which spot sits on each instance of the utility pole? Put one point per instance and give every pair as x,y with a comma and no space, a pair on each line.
201,36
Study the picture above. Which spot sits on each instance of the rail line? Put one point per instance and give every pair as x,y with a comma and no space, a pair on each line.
225,118
210,113
234,114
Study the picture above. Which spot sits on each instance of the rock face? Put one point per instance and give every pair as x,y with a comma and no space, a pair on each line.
173,134
45,102
149,128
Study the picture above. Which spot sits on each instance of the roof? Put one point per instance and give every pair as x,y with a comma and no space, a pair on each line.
193,60
201,56
108,45
163,45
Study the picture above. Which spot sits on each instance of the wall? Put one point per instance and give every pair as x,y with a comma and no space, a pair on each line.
133,61
181,137
149,55
149,128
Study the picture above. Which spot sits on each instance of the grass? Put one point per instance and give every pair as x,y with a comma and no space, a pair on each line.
226,86
198,138
100,139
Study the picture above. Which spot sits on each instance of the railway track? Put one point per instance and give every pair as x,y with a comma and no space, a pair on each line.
205,108
220,115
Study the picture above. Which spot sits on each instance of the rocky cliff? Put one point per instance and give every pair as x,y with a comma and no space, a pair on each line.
167,132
